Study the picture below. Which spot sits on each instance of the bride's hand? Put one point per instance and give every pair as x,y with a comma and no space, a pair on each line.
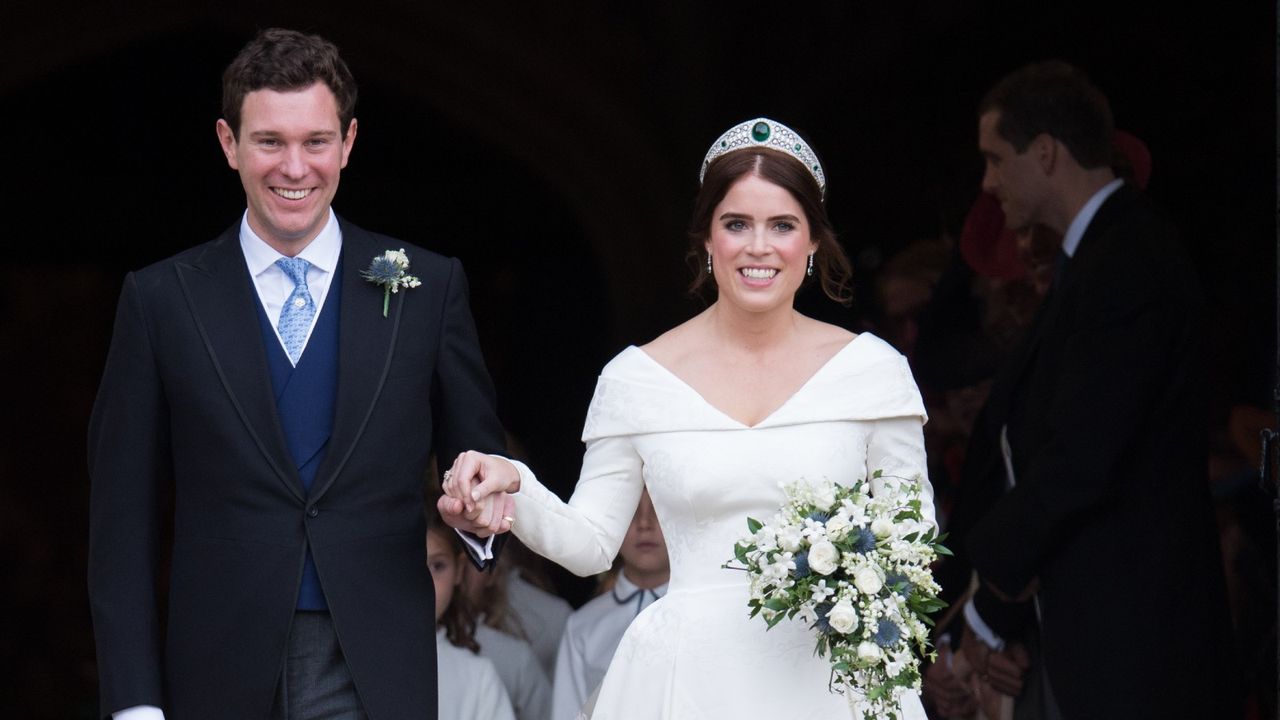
476,496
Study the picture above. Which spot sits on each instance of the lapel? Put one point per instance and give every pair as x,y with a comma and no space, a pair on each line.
1045,320
365,343
223,300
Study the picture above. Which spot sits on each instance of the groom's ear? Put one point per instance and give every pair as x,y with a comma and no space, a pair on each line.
227,139
348,141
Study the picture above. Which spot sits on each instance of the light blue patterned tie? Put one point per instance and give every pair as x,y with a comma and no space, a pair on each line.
298,310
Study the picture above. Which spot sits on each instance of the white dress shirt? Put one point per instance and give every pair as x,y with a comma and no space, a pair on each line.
469,688
274,287
518,669
541,615
590,638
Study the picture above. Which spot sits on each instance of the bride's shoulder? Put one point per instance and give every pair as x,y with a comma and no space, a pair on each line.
672,346
855,351
825,339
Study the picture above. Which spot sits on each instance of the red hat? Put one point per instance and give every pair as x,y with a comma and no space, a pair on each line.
986,245
1135,154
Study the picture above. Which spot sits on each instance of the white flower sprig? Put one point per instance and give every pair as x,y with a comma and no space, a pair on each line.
389,270
854,566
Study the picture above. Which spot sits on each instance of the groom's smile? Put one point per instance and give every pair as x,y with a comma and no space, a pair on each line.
290,152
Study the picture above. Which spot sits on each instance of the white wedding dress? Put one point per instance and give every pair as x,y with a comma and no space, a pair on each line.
695,654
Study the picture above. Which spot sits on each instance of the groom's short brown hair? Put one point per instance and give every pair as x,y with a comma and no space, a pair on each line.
285,60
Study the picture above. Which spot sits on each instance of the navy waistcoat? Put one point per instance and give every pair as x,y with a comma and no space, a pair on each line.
305,399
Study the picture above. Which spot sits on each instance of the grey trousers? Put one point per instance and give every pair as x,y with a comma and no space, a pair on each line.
315,683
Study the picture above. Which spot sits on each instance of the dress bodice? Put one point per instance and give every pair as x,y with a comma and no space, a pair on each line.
706,473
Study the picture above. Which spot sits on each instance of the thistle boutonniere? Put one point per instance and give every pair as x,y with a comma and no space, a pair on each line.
388,271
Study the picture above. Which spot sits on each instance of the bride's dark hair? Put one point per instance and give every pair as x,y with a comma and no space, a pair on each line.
830,264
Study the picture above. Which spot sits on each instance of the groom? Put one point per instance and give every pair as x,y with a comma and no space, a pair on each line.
288,406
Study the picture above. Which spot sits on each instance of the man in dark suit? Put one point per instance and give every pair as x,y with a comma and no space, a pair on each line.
1097,547
289,405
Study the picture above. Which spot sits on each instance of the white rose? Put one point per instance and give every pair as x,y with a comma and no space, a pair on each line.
882,527
789,538
824,558
843,618
824,495
869,652
868,579
837,526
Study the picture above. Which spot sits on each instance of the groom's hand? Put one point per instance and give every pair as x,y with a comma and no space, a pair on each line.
498,511
476,495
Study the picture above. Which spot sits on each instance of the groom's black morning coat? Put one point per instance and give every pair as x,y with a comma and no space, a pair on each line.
186,407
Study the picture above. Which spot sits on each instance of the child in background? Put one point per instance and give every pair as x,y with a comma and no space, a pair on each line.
593,632
469,688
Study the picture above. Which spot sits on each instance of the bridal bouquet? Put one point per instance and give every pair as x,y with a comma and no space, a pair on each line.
854,567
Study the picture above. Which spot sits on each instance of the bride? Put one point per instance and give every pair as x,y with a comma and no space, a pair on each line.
711,417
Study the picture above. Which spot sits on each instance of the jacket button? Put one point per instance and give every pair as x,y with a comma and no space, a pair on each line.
312,512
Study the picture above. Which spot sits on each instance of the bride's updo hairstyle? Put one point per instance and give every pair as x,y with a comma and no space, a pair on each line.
830,264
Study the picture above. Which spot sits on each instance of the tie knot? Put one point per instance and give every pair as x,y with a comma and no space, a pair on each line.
296,269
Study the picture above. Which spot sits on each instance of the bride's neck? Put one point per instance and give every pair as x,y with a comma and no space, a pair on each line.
752,332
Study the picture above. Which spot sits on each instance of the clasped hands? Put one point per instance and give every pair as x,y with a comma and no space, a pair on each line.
477,496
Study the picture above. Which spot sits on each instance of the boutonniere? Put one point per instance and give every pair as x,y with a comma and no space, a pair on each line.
388,271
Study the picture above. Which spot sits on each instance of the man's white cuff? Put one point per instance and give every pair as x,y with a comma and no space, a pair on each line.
980,628
483,549
139,712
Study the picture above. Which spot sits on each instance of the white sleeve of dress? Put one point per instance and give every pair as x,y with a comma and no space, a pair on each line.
584,534
896,446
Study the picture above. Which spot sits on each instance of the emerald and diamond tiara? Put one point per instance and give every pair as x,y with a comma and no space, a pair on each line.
763,132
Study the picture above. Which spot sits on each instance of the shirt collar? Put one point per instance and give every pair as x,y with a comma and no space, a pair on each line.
322,252
624,588
1075,231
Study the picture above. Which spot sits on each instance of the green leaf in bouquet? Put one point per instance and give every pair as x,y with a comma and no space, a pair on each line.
877,474
776,604
942,550
912,537
754,525
740,552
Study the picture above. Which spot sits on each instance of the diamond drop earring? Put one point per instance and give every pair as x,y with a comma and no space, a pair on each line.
809,271
708,263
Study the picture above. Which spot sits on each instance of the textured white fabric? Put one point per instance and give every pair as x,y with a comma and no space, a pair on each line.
469,688
695,654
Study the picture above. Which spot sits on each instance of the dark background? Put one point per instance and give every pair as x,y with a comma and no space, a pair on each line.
554,149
